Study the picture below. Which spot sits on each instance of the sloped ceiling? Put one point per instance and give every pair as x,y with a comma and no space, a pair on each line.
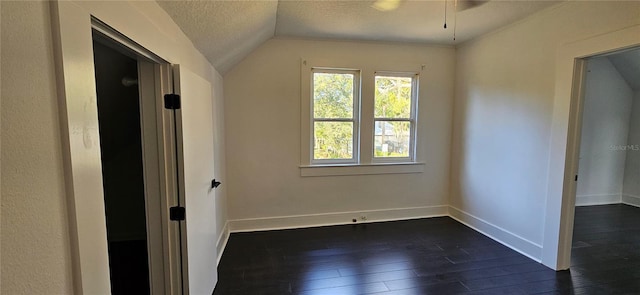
628,65
412,21
224,31
227,31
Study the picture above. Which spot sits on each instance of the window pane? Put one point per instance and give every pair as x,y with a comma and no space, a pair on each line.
392,139
393,97
333,140
332,95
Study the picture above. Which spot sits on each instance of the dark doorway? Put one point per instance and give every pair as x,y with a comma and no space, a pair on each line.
122,169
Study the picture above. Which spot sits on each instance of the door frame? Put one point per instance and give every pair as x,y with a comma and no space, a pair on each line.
565,138
72,27
157,126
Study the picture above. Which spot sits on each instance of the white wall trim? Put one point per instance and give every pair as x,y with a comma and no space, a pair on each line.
223,239
361,169
591,200
338,218
631,200
500,235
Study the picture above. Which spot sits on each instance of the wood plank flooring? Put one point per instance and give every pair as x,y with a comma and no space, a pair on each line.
430,256
606,249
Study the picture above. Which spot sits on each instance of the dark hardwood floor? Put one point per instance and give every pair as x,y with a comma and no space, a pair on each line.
606,249
430,256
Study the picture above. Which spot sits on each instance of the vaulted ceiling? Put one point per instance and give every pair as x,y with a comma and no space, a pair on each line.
227,31
628,65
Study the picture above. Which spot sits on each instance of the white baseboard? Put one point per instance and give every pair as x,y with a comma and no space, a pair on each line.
500,235
591,200
223,238
631,200
314,220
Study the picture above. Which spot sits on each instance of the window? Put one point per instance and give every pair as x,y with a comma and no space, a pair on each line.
356,120
335,115
394,116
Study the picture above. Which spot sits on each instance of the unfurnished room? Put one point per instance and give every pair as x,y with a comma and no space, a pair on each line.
320,147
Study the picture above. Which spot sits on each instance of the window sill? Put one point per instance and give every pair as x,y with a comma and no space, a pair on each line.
361,169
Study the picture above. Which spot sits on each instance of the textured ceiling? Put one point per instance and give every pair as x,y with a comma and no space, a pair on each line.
412,21
224,31
227,31
628,65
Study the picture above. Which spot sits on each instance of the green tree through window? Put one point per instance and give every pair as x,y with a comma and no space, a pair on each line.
335,116
392,137
333,112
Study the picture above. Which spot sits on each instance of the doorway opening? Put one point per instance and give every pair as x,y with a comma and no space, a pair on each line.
122,169
138,160
606,223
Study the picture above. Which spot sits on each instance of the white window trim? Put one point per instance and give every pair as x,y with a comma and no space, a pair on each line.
361,169
355,117
413,118
365,164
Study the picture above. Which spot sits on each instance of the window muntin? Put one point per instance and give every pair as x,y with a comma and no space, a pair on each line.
335,111
394,117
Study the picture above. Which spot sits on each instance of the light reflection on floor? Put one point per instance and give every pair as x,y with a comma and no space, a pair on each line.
356,273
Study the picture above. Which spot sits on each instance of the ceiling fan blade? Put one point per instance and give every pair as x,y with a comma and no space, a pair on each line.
386,5
468,4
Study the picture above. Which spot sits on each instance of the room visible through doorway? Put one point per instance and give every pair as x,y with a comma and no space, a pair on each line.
607,212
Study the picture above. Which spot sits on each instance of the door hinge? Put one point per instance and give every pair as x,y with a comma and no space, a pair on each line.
172,101
177,213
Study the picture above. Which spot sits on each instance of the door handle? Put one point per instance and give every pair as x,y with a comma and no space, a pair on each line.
215,184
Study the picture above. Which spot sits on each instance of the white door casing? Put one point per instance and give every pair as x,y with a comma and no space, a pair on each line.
72,36
565,139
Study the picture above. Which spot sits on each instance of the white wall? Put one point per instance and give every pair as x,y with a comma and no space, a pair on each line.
605,126
35,240
503,115
36,250
631,189
262,112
